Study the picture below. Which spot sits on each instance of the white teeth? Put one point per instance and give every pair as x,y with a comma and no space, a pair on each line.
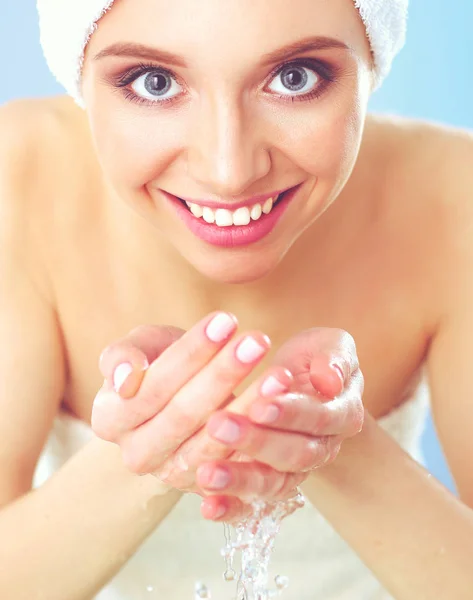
196,209
267,206
256,212
241,216
208,215
223,217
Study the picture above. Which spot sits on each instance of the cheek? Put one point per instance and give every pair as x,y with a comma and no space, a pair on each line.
324,140
137,145
135,149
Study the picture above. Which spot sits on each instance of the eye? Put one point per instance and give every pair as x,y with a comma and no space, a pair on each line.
294,80
155,86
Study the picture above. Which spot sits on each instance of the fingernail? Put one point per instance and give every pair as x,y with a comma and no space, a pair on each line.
219,479
249,350
228,432
264,414
272,387
220,327
219,512
339,371
120,375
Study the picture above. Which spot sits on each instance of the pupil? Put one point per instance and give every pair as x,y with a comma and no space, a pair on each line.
157,83
294,78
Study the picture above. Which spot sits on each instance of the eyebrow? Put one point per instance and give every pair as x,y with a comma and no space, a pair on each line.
305,45
280,55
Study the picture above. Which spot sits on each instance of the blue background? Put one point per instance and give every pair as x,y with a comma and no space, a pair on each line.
431,79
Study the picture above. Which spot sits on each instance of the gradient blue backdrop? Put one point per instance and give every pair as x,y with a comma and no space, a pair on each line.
431,79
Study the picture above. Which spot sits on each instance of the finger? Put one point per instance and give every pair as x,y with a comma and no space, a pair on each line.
123,363
327,379
301,413
180,354
193,403
286,452
184,359
224,509
310,354
248,481
202,448
332,367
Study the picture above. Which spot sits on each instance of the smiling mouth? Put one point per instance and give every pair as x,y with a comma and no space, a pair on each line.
242,216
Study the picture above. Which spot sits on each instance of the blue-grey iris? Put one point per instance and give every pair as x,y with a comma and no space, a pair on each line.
294,78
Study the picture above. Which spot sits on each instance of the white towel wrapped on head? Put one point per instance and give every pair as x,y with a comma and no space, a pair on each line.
67,25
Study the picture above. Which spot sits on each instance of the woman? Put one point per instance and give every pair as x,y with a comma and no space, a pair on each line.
227,105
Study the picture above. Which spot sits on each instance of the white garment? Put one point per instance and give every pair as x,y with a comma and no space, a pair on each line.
185,548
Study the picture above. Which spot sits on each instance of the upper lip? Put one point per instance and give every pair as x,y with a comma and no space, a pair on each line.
260,199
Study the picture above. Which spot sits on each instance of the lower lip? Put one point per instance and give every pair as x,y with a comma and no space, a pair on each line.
234,235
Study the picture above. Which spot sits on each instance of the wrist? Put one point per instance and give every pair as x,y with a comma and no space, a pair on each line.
149,487
352,457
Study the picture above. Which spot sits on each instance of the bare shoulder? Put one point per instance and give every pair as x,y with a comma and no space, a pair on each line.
433,164
39,140
39,130
29,118
429,161
427,179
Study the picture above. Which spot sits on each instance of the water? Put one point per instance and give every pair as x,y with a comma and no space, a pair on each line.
254,539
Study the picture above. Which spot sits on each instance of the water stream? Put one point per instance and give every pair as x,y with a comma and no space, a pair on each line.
253,539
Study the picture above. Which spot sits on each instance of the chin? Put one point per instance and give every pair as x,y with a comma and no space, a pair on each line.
237,269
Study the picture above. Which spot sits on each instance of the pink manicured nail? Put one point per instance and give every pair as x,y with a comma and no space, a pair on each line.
265,414
121,374
272,387
249,350
220,327
228,432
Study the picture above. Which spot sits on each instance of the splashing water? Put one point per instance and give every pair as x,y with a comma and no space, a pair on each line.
254,539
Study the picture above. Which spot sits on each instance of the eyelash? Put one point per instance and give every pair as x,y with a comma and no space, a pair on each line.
131,75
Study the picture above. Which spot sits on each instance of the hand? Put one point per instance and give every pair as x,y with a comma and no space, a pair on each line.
257,480
178,379
295,433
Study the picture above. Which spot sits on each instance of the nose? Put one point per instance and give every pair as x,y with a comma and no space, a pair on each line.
226,153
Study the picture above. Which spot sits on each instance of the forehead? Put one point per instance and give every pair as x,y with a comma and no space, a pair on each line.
211,29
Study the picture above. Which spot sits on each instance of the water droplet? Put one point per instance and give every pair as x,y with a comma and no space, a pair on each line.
229,575
281,581
201,591
181,463
252,569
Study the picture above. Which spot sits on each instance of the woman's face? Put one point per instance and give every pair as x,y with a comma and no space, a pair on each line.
217,105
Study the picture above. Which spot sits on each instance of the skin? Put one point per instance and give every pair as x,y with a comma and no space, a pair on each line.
157,417
194,154
239,163
377,243
217,160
